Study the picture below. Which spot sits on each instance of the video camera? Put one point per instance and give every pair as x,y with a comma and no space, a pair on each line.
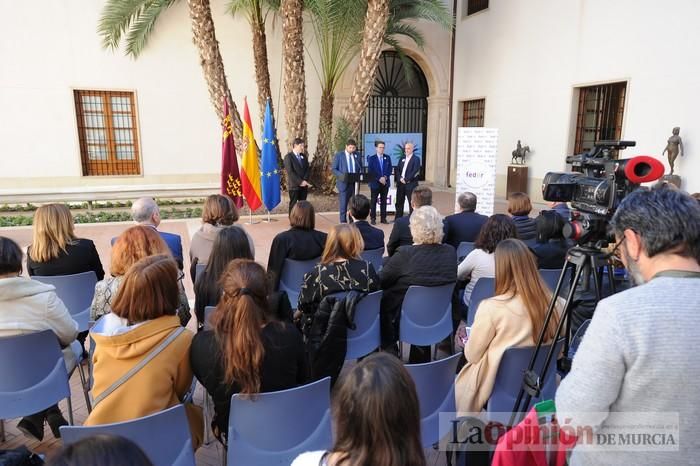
596,186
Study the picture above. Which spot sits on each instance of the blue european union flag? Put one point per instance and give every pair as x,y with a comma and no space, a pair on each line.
270,173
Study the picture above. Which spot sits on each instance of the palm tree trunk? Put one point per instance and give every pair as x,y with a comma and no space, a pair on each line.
372,40
204,37
262,70
294,77
322,176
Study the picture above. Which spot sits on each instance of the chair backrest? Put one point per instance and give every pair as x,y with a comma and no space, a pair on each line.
156,434
198,269
292,277
186,456
551,278
274,428
374,257
76,291
483,289
509,378
464,248
426,314
366,337
435,386
33,374
578,336
208,312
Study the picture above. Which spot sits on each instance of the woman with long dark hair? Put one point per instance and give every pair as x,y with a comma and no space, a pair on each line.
513,317
248,351
376,417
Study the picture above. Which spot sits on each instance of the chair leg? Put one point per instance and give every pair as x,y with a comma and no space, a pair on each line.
70,411
83,382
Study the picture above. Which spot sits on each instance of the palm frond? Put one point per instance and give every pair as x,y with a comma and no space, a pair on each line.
115,19
407,30
142,26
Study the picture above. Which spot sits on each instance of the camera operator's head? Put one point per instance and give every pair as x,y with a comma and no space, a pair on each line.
659,230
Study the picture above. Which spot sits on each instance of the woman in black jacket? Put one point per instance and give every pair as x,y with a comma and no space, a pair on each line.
248,351
427,262
551,247
300,242
519,207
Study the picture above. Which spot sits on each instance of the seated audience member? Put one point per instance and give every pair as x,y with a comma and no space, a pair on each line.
101,449
551,247
249,350
376,396
143,324
519,207
562,208
341,269
145,212
480,262
427,262
696,196
300,242
513,317
637,359
219,212
131,246
55,250
230,243
465,225
27,306
359,210
401,231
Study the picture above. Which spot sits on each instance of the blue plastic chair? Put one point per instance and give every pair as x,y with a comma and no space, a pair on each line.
463,250
435,386
484,288
159,435
374,257
509,378
33,377
367,336
551,277
76,291
426,314
578,336
208,312
274,428
292,277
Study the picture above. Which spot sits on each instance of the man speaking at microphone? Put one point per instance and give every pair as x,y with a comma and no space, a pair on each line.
347,169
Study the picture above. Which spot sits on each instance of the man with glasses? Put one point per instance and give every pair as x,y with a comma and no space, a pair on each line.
637,364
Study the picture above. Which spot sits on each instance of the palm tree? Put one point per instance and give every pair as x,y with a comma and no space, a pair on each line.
385,21
135,20
255,12
294,77
335,23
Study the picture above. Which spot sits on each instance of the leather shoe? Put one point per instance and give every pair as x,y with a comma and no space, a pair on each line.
373,222
33,426
385,221
55,419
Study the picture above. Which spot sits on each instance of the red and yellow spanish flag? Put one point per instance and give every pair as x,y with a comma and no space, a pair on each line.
250,165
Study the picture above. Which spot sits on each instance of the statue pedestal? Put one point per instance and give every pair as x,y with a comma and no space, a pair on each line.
675,180
516,180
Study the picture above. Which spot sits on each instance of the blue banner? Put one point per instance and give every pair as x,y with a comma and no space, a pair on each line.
270,174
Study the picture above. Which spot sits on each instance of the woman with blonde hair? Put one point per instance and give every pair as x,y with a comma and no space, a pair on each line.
512,318
519,207
249,350
341,269
55,250
131,246
219,212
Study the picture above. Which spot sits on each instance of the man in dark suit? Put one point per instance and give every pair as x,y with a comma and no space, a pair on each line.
346,164
359,209
379,173
465,225
145,212
406,177
401,232
297,168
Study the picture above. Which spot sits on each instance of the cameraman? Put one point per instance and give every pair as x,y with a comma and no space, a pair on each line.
639,353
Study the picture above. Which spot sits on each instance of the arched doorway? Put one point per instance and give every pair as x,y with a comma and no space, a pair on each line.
399,103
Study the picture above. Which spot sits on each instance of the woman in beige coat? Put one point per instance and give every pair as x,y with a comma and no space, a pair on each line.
512,318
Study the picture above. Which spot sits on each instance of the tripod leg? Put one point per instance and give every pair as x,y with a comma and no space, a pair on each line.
596,279
611,276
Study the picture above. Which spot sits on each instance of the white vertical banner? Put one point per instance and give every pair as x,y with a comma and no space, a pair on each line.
476,166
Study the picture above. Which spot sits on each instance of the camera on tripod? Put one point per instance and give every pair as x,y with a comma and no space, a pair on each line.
596,186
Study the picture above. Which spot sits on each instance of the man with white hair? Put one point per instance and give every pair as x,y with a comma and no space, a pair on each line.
145,212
